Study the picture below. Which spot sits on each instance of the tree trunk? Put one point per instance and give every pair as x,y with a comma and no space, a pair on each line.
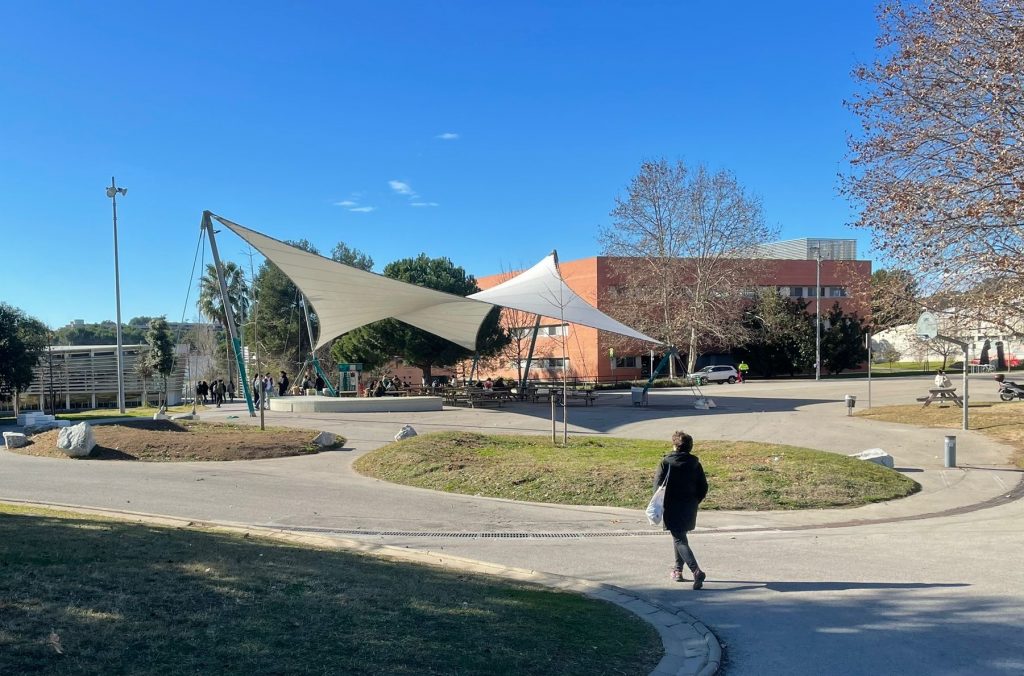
17,404
426,375
691,364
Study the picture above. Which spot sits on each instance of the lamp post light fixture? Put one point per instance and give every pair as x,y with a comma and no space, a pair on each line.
112,192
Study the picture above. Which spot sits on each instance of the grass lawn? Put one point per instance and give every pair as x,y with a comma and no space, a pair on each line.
137,412
1003,421
83,595
618,472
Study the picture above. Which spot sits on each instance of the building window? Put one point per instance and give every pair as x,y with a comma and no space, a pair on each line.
626,362
554,330
836,292
545,363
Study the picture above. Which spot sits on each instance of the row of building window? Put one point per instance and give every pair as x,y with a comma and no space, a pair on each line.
808,291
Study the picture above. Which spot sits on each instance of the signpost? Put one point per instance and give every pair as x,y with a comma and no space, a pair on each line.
928,329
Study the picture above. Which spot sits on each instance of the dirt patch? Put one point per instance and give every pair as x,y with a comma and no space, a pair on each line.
179,441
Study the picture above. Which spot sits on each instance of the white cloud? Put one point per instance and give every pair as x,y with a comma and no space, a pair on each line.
425,204
402,188
363,210
448,136
346,203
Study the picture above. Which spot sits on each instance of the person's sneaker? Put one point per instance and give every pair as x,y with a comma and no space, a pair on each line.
698,579
676,575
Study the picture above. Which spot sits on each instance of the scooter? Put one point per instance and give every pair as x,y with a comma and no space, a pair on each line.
1009,390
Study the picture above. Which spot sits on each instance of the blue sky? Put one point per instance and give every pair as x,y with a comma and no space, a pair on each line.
490,133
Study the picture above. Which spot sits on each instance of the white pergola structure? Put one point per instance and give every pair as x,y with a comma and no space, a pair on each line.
346,297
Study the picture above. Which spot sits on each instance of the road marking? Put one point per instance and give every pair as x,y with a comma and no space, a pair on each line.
999,481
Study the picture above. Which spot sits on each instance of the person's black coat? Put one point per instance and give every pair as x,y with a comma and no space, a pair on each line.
687,487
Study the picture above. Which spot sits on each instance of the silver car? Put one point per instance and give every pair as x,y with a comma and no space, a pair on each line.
717,374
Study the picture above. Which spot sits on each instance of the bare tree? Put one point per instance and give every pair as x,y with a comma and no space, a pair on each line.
938,168
685,237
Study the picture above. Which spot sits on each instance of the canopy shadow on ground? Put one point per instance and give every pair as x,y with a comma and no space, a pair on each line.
608,413
889,627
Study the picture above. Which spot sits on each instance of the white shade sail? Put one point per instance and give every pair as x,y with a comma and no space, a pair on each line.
346,298
542,291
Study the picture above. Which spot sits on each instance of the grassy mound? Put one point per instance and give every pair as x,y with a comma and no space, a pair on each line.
83,595
618,472
182,441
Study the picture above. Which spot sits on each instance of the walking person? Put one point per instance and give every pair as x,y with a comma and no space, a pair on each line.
685,487
257,388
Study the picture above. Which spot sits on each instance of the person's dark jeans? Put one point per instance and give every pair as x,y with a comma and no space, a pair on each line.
684,555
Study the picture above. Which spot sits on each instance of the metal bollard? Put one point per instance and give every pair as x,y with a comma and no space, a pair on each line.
950,451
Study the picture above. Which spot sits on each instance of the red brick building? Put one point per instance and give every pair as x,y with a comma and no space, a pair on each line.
843,279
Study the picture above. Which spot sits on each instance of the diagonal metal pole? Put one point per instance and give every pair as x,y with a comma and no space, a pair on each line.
229,318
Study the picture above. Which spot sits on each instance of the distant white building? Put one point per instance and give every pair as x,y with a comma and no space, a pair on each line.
904,341
85,376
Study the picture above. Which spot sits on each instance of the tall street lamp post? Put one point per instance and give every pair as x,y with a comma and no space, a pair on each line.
817,313
112,192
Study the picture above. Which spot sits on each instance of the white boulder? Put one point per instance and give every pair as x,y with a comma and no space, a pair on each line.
875,455
15,439
161,414
406,432
77,441
325,439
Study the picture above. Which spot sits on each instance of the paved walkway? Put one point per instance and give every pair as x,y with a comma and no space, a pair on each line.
932,589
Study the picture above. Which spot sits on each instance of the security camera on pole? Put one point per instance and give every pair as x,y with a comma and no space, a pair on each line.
928,329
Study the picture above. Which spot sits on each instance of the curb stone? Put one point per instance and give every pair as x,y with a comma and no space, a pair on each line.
691,649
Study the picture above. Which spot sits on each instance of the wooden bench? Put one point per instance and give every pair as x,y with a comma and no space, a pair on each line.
941,394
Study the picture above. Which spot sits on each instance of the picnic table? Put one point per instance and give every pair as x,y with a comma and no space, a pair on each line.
941,394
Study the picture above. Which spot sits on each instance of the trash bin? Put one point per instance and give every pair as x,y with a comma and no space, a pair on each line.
851,401
638,395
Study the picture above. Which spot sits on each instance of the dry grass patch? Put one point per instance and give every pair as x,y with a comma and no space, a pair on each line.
1003,421
619,472
180,441
83,595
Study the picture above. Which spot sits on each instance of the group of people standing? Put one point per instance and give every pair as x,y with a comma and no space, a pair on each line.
215,391
263,388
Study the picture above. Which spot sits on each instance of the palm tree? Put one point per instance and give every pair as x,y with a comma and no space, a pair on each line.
211,306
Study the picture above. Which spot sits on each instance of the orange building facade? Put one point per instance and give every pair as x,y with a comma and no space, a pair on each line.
587,356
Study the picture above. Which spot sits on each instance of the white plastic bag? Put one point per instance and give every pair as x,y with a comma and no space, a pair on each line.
656,507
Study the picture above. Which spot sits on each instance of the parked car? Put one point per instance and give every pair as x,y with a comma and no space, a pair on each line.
717,374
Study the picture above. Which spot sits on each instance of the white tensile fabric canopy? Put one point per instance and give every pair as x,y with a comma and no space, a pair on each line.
346,297
542,291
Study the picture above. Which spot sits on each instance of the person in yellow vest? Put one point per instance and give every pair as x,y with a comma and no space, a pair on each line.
743,368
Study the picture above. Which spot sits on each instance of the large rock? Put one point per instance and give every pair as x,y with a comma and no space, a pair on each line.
406,432
77,440
161,414
875,455
325,439
15,440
